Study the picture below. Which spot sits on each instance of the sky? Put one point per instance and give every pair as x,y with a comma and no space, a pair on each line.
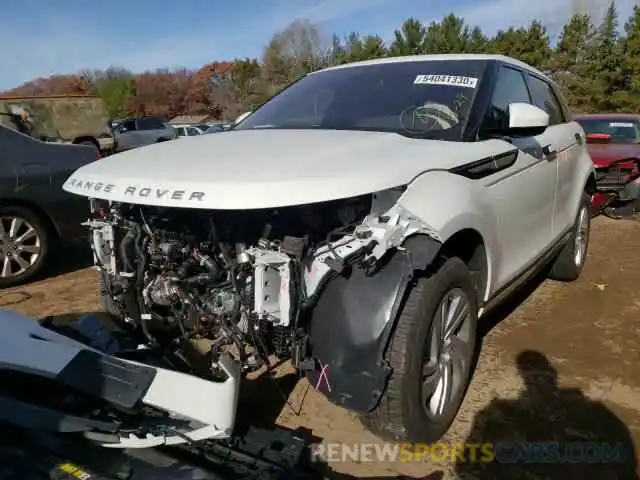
39,38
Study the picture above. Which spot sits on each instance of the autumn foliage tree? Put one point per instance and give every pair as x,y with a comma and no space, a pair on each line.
597,66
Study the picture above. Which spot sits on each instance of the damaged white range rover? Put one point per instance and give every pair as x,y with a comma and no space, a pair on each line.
359,223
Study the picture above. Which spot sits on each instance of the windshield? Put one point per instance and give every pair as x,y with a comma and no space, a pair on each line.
429,99
621,130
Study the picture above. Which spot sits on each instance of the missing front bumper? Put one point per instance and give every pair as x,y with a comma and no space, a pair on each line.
139,404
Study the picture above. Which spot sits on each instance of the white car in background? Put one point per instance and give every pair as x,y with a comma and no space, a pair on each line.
190,130
360,223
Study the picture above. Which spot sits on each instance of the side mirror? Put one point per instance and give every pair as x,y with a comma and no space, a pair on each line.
598,138
527,119
242,117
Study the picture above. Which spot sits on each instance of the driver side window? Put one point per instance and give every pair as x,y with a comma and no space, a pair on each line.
127,126
510,88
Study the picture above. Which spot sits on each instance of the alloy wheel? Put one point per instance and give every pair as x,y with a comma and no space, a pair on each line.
582,237
449,353
19,246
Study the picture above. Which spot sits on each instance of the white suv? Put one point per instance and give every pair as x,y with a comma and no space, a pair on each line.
360,223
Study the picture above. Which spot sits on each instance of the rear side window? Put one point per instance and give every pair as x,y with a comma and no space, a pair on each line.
150,123
544,98
127,126
510,88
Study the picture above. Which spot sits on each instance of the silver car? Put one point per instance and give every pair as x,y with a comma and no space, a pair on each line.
140,131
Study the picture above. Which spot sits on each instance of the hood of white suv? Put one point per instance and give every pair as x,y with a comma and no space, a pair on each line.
267,168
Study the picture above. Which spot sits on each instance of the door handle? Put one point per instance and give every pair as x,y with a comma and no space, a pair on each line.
549,152
579,139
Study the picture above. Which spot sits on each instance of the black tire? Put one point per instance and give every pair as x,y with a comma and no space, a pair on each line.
400,416
568,265
42,234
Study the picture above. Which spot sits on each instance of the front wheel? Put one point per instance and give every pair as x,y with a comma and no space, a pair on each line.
431,353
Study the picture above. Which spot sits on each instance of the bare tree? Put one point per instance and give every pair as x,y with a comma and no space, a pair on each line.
298,49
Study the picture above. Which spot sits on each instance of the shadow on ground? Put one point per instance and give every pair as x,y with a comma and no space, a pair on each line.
548,432
270,396
67,259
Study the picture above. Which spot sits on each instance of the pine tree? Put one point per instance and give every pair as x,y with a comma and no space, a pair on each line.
530,45
628,98
450,35
570,62
409,40
605,61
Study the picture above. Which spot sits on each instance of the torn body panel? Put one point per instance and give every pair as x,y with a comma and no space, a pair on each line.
383,230
351,322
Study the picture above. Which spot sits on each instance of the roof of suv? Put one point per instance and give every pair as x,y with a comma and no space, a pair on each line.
607,116
441,57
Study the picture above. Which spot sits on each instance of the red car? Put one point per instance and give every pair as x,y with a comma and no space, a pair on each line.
614,145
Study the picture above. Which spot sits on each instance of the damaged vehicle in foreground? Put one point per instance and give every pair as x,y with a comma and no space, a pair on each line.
359,224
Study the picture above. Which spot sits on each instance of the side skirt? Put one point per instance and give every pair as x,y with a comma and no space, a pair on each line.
529,273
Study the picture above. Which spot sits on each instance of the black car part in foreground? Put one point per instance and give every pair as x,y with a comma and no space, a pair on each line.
40,441
34,455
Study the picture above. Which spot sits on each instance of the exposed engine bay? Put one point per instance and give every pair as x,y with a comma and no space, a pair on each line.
241,280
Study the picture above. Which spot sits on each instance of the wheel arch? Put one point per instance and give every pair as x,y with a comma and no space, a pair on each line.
468,245
352,336
51,226
464,227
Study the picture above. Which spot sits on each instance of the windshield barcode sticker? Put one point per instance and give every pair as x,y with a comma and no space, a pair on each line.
449,80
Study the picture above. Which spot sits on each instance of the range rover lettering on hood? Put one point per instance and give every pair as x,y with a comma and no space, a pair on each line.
137,191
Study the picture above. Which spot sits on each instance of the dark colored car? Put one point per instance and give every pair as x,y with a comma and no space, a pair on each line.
614,145
36,215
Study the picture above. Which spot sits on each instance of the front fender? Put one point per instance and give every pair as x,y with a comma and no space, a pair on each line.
450,203
351,324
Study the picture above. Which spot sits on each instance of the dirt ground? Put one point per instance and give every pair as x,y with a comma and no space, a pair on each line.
587,334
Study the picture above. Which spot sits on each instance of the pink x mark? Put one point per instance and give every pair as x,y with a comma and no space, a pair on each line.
323,374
